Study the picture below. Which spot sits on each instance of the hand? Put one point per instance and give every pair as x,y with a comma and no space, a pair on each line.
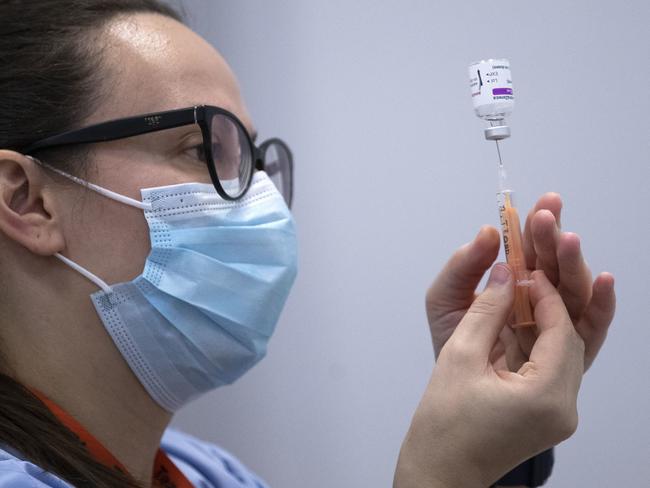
476,420
591,307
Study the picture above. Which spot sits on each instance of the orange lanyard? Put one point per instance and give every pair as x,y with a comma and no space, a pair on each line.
165,472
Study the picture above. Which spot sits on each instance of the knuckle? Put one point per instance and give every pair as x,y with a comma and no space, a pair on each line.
565,425
557,415
457,352
437,304
483,306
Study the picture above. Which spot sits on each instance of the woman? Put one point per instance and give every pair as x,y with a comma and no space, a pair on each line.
145,262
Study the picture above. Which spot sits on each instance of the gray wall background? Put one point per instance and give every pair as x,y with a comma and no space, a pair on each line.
392,175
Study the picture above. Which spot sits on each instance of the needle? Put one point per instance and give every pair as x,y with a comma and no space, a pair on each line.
499,151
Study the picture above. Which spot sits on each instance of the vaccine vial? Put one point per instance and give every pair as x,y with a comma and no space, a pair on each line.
492,95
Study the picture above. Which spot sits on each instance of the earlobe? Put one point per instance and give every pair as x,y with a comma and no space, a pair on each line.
24,215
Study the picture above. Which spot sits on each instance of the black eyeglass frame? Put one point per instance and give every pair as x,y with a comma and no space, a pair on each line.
261,164
201,115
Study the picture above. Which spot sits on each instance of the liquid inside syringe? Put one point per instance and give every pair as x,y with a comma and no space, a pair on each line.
514,250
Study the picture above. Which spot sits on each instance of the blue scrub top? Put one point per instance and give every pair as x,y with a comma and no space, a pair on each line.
204,464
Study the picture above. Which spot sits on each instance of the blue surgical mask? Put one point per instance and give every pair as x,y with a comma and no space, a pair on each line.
219,272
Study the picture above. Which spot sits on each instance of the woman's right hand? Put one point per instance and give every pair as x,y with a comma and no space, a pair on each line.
477,419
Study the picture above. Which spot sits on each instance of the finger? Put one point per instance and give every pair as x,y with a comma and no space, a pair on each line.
594,324
515,356
453,290
546,234
477,332
548,201
498,356
526,337
558,351
454,287
575,277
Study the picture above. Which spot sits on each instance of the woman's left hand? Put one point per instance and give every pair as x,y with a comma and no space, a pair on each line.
590,305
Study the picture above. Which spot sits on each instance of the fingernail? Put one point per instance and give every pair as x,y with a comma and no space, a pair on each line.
500,275
574,236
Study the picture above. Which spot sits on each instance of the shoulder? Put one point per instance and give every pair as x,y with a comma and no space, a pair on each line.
14,473
205,463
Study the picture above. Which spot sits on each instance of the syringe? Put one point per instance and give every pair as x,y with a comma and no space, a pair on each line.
493,99
514,250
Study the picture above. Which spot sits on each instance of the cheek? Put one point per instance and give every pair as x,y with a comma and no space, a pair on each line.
126,243
109,238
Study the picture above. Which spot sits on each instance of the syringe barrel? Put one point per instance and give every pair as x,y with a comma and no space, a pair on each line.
514,249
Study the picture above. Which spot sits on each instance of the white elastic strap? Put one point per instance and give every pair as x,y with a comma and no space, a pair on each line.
94,278
103,191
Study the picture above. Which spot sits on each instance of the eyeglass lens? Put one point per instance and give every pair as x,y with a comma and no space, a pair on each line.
277,165
231,154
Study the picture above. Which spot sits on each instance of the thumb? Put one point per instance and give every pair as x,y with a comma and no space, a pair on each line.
479,329
453,290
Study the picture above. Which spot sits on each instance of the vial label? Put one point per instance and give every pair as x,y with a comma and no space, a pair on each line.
491,87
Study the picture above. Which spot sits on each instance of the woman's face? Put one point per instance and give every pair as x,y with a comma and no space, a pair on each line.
153,63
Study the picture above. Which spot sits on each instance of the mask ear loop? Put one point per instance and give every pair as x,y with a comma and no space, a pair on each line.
102,191
92,277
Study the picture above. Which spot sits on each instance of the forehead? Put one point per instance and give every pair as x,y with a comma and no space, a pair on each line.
155,63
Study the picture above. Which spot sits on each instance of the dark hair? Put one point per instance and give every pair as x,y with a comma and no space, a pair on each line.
50,81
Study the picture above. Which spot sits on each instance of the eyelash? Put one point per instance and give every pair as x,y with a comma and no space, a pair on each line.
199,154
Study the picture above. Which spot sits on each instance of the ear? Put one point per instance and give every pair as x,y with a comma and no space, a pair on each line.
25,207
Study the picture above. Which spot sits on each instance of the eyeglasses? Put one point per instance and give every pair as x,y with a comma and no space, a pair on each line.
227,148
